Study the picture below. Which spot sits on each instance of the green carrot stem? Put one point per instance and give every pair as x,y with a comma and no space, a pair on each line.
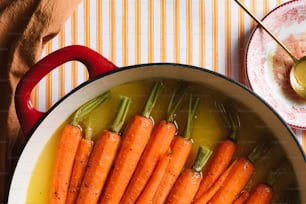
119,119
277,172
88,130
192,109
87,107
202,157
151,101
176,99
259,150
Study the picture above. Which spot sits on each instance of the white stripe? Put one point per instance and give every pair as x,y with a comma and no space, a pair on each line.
195,34
156,31
183,31
131,32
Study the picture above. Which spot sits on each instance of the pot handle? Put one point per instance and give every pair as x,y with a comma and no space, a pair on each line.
95,64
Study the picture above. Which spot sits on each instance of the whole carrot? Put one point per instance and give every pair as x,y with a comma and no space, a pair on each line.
224,151
150,189
180,149
102,156
67,148
189,180
158,144
80,163
134,140
239,176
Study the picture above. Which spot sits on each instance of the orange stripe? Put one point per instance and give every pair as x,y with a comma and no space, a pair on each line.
137,31
49,81
87,27
163,31
112,30
62,67
253,9
278,2
202,32
74,28
151,30
266,7
241,43
215,35
35,96
189,33
228,53
125,33
99,27
176,31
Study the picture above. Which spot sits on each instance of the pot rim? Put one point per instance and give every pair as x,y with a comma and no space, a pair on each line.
186,66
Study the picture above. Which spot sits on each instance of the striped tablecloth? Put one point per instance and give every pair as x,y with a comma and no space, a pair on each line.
207,33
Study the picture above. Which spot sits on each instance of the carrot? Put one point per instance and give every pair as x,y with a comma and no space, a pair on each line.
78,170
158,144
206,196
67,148
152,185
102,157
189,180
80,163
243,195
223,153
262,194
134,140
234,179
239,176
180,149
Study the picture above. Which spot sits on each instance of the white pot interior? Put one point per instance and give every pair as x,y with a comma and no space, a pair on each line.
69,104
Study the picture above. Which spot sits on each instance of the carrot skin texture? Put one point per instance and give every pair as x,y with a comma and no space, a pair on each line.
158,145
78,170
219,161
238,177
187,184
66,152
180,150
262,194
99,164
242,197
147,195
134,140
206,196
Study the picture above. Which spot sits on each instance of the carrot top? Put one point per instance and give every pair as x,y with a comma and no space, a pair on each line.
87,107
150,103
259,150
277,172
201,159
192,109
230,118
176,99
119,119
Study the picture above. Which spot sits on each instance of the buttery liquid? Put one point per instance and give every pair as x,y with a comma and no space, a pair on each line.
208,129
300,73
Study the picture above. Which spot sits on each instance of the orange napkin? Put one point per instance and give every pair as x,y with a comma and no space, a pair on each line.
26,26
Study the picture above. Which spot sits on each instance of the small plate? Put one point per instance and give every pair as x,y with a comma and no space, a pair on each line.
267,65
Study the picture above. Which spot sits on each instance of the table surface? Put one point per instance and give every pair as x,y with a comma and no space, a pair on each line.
211,34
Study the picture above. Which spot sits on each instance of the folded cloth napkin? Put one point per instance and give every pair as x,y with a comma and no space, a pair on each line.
25,27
